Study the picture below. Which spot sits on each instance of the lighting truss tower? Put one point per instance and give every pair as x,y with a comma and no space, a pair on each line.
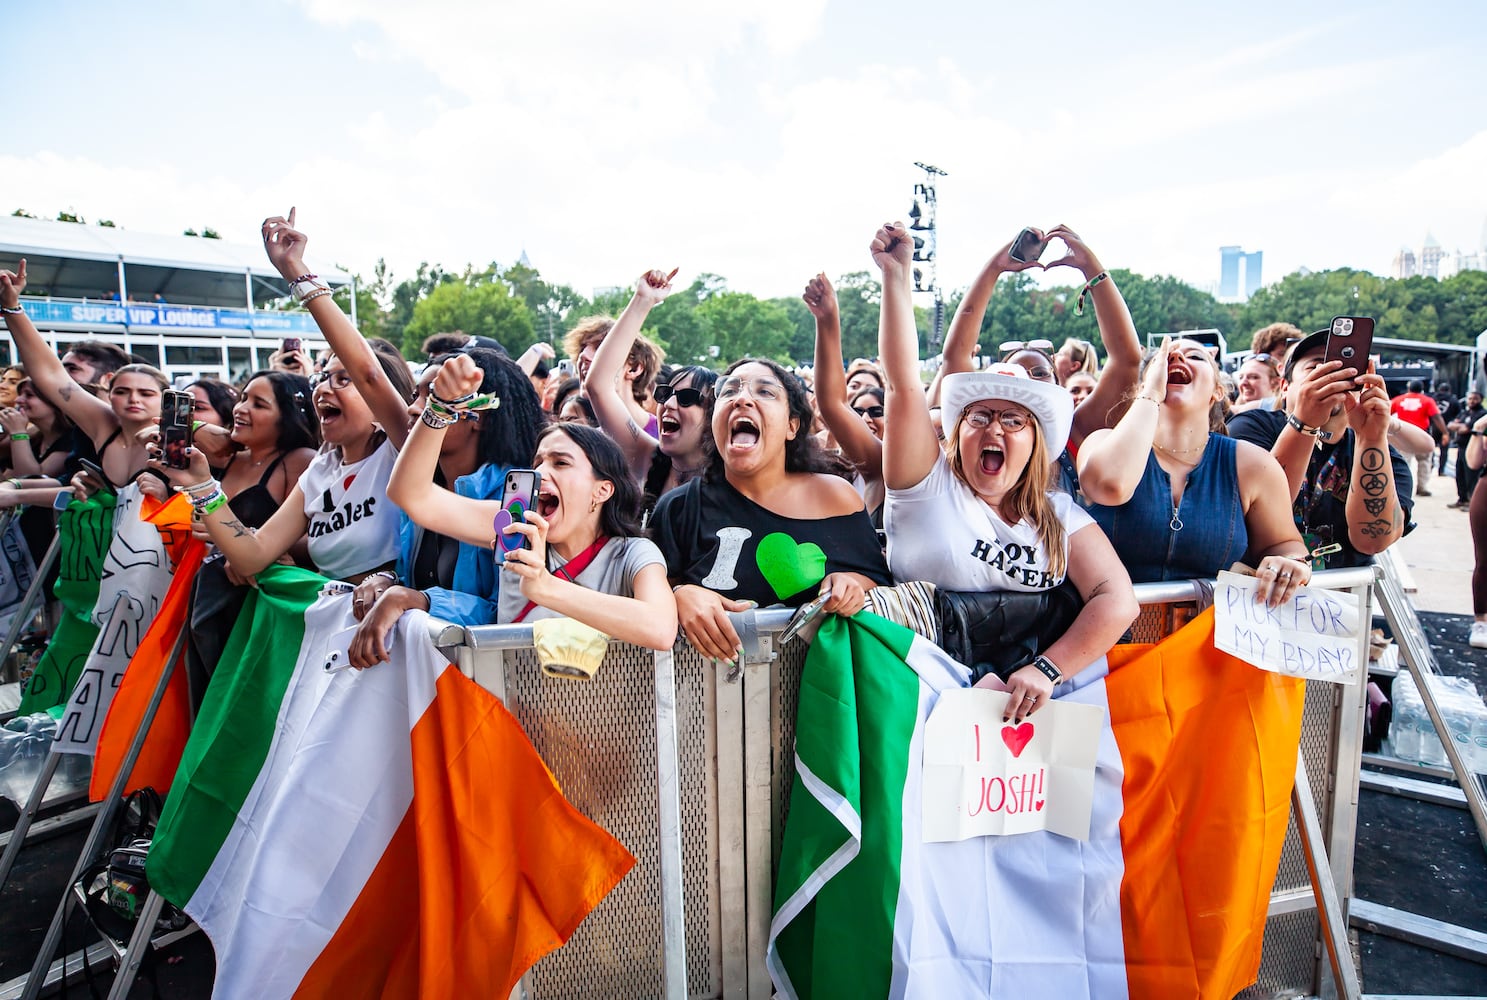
922,220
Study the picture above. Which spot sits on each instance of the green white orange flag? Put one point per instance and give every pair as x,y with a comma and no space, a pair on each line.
381,833
1167,897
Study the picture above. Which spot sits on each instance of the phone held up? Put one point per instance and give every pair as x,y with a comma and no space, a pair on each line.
176,411
1349,340
1028,246
518,497
291,344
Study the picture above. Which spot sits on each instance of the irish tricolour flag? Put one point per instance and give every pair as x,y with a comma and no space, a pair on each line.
1167,897
380,833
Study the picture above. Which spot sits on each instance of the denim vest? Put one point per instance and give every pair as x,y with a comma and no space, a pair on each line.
1204,535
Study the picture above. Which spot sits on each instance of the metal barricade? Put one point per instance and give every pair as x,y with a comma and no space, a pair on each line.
690,765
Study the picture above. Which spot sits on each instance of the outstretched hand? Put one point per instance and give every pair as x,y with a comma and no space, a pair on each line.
820,298
285,245
1368,415
892,248
1079,254
12,284
1003,261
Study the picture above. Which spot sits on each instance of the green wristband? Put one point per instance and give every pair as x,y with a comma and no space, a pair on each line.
20,437
217,502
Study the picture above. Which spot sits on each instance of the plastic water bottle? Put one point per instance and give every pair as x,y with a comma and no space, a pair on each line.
1404,727
1479,740
1432,752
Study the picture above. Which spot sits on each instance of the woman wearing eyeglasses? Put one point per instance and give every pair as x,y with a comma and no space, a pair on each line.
851,406
767,523
676,453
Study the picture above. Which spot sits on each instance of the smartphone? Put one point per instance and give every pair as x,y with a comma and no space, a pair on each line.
565,367
1028,246
291,344
1349,340
95,470
518,497
176,411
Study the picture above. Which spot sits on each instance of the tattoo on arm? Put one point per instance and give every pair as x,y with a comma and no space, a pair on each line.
239,529
1373,483
1377,529
636,431
1375,505
65,392
1372,459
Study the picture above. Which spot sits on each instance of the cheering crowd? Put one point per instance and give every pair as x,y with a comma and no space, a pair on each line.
671,496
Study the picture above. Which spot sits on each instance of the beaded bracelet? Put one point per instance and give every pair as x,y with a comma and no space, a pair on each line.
1092,282
11,310
302,279
317,293
435,420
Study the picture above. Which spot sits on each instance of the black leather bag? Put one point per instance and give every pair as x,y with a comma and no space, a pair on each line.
997,632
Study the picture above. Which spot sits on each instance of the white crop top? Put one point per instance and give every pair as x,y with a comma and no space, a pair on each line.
353,526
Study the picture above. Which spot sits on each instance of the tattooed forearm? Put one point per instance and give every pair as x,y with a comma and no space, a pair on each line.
239,529
1377,529
1372,459
636,431
65,392
1375,505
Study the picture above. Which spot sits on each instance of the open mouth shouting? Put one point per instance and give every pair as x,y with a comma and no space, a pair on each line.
1178,373
670,426
547,502
743,433
992,460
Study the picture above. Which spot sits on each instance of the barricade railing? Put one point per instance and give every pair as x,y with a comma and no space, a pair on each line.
689,763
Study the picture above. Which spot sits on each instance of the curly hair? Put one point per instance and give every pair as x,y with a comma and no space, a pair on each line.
803,452
509,434
644,353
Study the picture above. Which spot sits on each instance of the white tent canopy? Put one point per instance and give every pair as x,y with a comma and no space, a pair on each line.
79,261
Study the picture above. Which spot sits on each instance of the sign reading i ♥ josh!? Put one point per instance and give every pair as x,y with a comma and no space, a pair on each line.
983,776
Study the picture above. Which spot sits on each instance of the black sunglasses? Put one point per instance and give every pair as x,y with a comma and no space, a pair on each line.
872,412
684,397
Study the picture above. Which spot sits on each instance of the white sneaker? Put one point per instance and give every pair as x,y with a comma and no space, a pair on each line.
1479,635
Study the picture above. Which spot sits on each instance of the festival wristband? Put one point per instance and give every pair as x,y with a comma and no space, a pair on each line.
1297,425
1047,668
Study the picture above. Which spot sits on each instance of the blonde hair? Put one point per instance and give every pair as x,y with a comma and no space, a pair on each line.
1089,361
1027,500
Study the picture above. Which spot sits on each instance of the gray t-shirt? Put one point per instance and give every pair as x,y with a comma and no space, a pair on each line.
612,571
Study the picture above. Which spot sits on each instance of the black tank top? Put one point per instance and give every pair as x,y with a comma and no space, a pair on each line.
256,504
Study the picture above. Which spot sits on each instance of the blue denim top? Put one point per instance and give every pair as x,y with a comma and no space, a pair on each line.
1212,535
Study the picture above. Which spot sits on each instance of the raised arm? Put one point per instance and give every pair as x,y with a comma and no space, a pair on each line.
910,447
94,416
1117,332
856,439
1112,462
606,385
1375,518
285,247
965,327
412,485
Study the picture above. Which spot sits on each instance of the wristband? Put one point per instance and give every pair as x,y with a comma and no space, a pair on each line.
302,279
1092,282
11,310
1297,425
207,485
16,483
317,293
450,404
20,437
435,420
1148,399
391,576
1047,668
214,503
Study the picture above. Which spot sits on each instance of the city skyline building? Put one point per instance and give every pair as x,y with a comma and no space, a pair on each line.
1240,273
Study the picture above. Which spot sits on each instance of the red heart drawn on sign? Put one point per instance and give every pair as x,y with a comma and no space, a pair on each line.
1038,806
1017,737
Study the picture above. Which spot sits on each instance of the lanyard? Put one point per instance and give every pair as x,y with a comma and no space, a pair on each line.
568,571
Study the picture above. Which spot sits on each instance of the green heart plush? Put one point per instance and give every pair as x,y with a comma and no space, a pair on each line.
787,566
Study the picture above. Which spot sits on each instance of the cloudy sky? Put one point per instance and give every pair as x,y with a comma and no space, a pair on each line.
760,141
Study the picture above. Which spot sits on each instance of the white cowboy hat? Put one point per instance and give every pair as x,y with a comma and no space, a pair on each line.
1050,404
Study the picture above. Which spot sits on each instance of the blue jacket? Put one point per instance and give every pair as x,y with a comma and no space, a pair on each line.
477,575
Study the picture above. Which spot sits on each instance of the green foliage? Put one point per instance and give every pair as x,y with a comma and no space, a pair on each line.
549,305
21,213
208,233
68,215
478,304
1452,311
743,326
107,223
858,296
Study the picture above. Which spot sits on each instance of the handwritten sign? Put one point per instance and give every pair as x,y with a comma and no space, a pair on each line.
1314,635
984,777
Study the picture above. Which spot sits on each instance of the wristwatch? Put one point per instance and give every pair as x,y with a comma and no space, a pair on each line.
1047,668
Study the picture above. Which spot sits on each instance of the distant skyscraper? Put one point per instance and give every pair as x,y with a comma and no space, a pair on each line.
1430,257
1229,258
1404,263
1253,262
1239,272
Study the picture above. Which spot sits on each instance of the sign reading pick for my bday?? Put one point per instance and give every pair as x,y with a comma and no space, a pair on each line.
1314,635
983,776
